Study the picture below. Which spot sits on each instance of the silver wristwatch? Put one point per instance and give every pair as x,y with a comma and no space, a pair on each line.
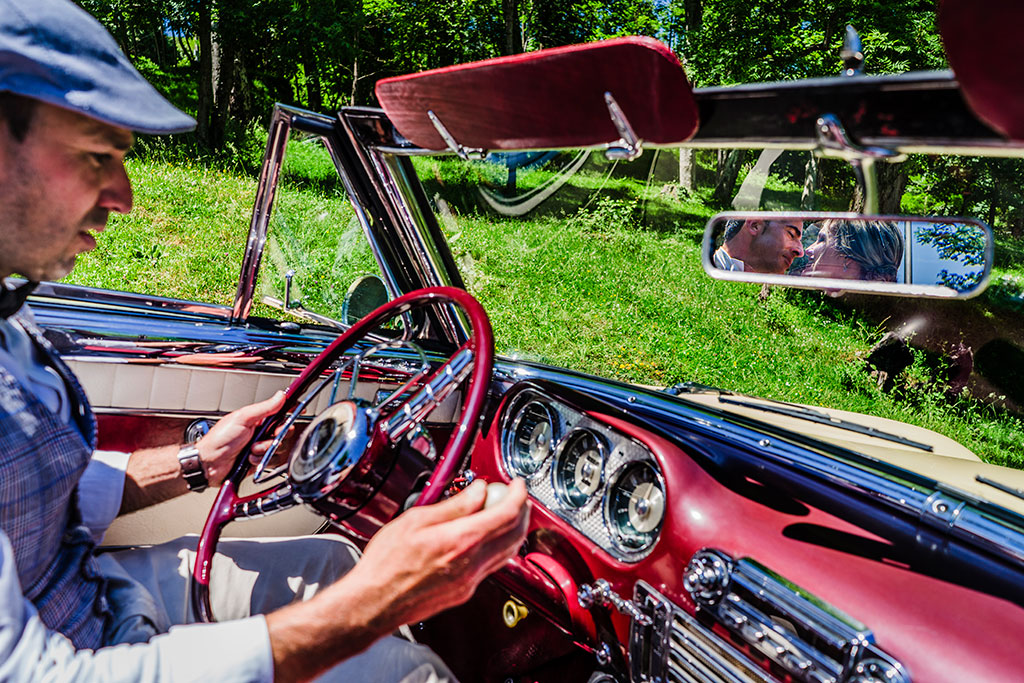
192,468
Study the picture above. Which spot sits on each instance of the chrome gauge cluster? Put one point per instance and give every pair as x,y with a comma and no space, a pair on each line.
607,485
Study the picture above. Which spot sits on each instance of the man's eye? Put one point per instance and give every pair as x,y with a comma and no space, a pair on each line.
100,158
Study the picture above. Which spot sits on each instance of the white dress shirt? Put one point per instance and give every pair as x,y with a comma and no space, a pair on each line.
229,651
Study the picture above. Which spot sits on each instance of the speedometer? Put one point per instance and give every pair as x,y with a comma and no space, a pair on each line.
636,507
579,468
533,435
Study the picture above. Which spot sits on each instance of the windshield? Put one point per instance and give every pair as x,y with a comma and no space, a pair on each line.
595,265
316,248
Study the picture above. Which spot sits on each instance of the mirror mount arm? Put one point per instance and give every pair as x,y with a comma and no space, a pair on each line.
628,146
464,153
852,53
834,143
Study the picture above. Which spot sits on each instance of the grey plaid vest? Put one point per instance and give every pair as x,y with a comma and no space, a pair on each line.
41,461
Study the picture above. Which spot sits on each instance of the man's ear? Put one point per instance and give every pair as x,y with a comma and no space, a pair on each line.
755,227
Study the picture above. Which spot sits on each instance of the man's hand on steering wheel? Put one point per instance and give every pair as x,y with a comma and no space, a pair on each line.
426,560
219,448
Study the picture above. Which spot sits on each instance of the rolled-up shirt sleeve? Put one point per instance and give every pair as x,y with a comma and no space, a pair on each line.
101,489
229,651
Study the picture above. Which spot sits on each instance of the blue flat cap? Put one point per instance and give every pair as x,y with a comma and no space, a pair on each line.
54,51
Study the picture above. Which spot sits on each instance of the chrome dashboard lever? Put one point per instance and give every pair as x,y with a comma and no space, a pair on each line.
601,594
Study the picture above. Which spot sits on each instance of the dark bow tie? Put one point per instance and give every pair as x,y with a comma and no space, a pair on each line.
13,299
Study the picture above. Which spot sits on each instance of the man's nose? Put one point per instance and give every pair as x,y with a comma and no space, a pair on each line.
117,193
799,247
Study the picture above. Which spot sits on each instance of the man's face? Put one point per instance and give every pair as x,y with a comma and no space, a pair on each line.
56,187
775,245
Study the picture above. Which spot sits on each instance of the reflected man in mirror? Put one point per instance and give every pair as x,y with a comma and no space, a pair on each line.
760,246
854,250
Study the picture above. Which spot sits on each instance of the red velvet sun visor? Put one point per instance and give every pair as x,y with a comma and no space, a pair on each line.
547,99
982,40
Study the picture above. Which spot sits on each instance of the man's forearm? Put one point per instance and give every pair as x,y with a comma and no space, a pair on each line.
153,476
308,638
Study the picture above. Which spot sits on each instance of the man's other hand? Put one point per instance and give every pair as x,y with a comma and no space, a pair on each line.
434,557
428,559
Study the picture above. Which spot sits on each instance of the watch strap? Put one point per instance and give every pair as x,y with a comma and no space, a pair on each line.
192,468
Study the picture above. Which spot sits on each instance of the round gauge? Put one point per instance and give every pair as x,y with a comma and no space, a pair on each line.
533,435
579,467
636,507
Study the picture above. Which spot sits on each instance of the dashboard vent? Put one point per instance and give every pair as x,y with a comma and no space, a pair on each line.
677,648
785,633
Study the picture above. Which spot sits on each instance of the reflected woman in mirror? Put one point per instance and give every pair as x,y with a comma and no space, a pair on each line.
854,250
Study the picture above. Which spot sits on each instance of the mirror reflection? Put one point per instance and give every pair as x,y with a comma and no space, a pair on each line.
952,255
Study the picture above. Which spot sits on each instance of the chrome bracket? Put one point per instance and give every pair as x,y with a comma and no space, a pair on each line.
602,595
834,143
942,510
628,146
852,53
464,153
288,303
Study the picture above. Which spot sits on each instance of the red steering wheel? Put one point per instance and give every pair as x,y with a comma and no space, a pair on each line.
350,447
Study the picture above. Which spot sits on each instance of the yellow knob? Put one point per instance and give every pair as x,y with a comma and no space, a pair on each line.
513,612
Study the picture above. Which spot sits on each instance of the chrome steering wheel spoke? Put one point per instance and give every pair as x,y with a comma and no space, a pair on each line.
440,386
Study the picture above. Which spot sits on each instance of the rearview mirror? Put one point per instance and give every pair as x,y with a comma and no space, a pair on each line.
840,252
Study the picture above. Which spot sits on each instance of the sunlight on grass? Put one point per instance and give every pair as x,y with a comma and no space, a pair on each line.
610,286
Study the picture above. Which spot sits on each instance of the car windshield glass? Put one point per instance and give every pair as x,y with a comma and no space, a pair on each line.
595,265
316,248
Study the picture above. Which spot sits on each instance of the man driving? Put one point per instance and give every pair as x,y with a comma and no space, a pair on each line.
760,246
69,104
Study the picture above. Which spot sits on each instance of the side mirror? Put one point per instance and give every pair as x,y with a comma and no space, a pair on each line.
366,294
840,252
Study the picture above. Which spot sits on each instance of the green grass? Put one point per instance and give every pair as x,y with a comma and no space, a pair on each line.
611,286
184,238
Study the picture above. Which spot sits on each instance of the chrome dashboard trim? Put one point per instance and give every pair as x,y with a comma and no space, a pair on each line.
804,638
808,638
984,524
143,303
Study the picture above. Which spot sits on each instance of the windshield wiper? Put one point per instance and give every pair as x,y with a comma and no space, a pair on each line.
1002,487
298,311
810,415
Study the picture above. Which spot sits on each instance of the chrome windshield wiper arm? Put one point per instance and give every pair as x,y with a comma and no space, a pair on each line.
298,311
810,415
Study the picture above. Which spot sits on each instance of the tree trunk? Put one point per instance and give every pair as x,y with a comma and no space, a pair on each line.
222,99
693,14
513,29
205,105
314,93
809,198
892,181
728,170
686,170
355,81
